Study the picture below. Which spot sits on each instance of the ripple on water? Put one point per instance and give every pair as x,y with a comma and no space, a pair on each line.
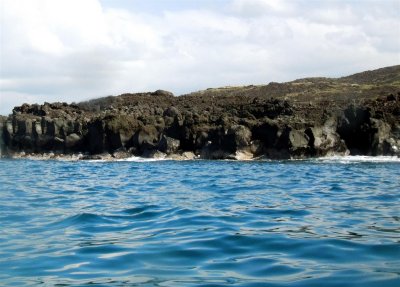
200,223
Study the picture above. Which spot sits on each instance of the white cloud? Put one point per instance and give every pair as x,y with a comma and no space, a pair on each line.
71,50
254,8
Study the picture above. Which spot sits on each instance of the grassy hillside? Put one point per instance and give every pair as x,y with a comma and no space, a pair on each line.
357,87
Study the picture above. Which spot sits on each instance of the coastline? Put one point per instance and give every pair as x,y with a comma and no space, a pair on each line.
307,118
334,158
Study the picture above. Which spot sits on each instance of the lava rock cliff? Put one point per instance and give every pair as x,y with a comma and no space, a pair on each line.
313,117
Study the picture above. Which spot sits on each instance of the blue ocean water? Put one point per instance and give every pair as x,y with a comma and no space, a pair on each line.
200,223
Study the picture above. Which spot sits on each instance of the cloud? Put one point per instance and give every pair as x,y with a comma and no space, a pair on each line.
72,50
256,8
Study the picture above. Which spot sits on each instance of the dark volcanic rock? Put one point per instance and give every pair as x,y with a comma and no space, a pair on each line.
168,145
146,138
238,137
354,128
73,142
359,114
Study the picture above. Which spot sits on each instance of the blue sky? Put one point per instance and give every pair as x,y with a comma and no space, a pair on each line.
73,50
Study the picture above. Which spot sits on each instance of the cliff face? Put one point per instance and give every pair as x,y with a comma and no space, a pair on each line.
359,114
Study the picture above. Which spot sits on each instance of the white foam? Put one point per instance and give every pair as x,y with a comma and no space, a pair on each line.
359,158
129,159
141,159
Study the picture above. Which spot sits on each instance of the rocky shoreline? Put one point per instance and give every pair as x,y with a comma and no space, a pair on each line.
314,117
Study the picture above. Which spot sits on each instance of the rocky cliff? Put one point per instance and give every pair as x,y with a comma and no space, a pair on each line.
358,115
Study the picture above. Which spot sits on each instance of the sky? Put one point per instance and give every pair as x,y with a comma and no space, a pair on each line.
74,50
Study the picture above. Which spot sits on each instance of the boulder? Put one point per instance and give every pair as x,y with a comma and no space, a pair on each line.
243,155
214,151
187,155
121,153
146,138
68,127
391,147
324,140
119,130
292,143
154,154
297,139
381,143
168,145
163,93
172,112
73,142
99,156
211,153
238,137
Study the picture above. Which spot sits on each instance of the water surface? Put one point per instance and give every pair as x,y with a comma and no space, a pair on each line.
200,223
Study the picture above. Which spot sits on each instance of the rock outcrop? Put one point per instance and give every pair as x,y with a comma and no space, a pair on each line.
305,118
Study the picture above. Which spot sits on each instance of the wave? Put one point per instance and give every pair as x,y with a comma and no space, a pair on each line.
129,159
333,159
326,159
358,159
141,159
81,218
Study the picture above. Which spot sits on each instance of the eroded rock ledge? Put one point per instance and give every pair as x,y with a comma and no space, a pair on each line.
305,118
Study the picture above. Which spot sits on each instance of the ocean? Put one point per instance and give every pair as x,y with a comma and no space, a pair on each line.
321,222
